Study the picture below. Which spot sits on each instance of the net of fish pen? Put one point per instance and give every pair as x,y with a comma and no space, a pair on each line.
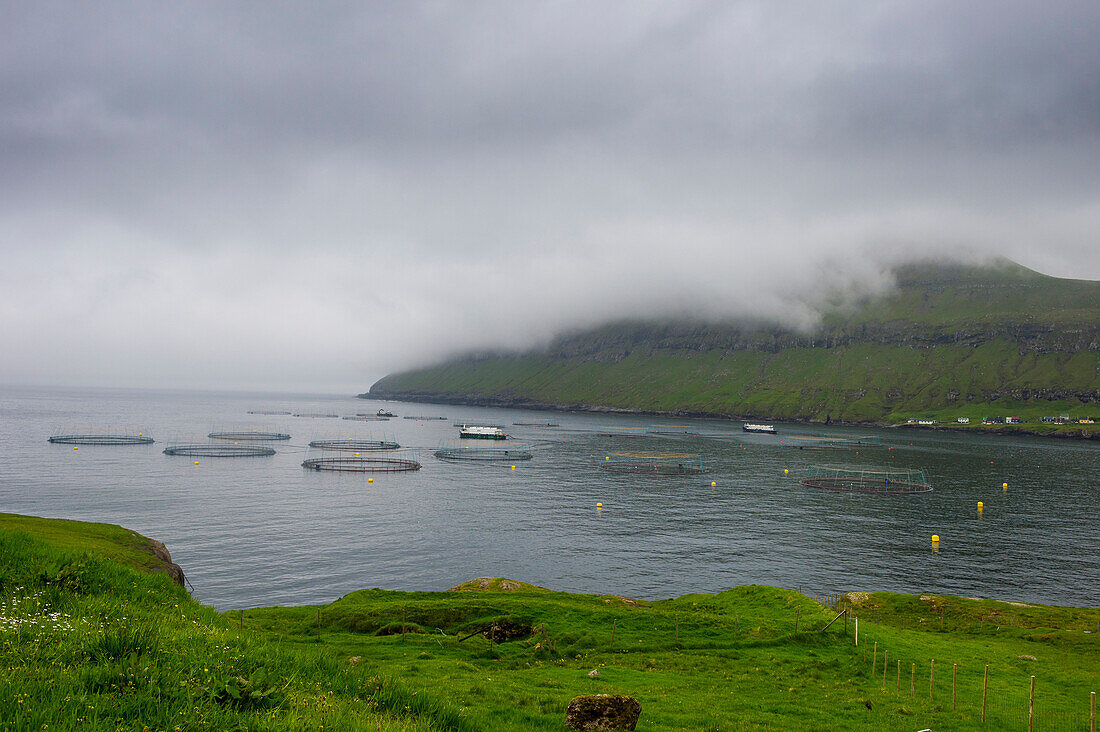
822,442
543,423
623,431
96,438
367,418
219,450
671,430
269,412
316,415
654,463
841,478
476,423
359,464
354,444
483,452
249,436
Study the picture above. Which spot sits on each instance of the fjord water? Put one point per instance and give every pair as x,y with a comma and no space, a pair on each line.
263,531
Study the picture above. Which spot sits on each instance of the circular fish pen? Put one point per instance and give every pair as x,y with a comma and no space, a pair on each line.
483,452
102,439
269,412
837,478
823,442
367,418
219,450
312,415
361,464
249,436
654,463
354,445
623,431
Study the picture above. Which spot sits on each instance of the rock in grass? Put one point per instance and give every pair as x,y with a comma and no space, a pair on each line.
603,712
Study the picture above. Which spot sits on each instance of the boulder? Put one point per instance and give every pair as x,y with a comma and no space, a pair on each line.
603,712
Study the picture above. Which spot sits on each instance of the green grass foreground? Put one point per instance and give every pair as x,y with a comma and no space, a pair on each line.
87,641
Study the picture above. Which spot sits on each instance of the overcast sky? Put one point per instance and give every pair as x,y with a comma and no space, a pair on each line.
309,195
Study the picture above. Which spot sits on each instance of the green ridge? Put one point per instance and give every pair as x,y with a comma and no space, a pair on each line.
951,341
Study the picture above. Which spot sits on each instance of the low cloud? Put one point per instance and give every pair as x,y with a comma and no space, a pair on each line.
292,197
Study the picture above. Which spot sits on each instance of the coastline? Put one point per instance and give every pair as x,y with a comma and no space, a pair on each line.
1070,432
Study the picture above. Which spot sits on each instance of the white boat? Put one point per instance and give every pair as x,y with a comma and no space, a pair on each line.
765,428
472,432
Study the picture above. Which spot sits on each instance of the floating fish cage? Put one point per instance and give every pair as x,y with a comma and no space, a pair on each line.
102,439
269,412
822,442
354,445
219,450
317,416
623,431
361,464
671,430
484,451
544,423
654,463
249,436
838,478
425,419
475,423
367,418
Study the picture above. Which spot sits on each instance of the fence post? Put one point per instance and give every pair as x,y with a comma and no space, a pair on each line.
885,659
899,677
985,690
913,681
954,676
613,621
857,631
240,616
1092,711
1031,705
874,660
932,680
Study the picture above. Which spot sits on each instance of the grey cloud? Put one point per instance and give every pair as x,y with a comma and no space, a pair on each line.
341,175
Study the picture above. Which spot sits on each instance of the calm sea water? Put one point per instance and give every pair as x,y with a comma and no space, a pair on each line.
263,531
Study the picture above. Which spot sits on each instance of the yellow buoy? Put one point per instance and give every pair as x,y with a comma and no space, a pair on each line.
980,506
196,462
513,467
76,448
1004,485
599,505
785,471
713,484
607,458
370,480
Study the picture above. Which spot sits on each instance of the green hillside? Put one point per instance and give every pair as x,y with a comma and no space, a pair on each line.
950,341
90,641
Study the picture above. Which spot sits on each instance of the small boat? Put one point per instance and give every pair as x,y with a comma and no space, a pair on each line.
763,428
473,432
385,413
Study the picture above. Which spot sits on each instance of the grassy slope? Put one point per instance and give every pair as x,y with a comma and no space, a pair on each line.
727,661
87,642
946,344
